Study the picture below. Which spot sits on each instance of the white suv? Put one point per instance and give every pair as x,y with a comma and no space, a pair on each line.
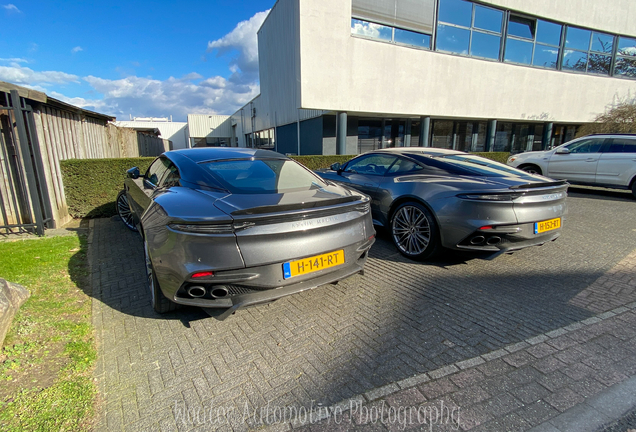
597,160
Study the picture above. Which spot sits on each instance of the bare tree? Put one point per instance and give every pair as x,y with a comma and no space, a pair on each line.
620,119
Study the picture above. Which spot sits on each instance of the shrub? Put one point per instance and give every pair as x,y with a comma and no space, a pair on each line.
318,162
91,185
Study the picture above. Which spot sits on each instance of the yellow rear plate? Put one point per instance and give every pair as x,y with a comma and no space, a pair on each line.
549,225
313,264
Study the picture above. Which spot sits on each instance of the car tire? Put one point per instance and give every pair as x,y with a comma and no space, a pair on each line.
158,300
532,169
414,231
124,212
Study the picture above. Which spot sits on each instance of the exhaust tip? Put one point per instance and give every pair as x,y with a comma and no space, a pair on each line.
196,291
493,241
219,292
477,240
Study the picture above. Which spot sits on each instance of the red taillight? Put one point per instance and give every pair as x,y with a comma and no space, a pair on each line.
487,227
202,274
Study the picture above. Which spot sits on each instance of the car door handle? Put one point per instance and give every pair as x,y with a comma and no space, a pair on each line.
368,184
590,160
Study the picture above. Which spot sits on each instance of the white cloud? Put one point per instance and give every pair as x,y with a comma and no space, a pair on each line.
12,8
21,75
243,41
148,97
366,29
175,96
14,60
77,49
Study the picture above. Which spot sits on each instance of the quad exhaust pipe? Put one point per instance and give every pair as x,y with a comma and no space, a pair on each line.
477,240
492,241
196,291
219,292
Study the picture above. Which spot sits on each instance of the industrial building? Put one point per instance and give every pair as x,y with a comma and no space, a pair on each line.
176,132
347,76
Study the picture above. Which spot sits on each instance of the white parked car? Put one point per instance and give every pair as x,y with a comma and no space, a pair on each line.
595,160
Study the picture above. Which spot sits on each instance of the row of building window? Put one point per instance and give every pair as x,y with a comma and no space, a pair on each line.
475,30
468,136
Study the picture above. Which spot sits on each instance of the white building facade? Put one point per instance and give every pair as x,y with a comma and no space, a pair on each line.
177,132
346,76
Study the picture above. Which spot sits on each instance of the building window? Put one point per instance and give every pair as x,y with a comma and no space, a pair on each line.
626,57
587,51
407,22
469,29
533,42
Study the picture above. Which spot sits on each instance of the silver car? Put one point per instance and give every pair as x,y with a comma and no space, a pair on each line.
228,228
596,160
432,198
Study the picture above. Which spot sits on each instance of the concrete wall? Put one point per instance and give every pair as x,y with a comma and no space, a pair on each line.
340,72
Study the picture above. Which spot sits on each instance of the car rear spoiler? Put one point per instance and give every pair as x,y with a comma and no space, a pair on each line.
541,185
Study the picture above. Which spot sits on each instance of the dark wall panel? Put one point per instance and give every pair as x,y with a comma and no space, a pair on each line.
287,139
311,136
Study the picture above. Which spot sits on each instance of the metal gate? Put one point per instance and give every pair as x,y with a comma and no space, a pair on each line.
24,199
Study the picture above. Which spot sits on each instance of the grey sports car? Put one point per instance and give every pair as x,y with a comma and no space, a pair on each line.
228,228
432,198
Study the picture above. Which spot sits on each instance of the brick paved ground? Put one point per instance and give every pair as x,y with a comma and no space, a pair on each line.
401,319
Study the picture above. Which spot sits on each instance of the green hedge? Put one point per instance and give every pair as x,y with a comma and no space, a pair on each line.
92,185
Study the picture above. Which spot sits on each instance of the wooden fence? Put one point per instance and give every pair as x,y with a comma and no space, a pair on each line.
67,132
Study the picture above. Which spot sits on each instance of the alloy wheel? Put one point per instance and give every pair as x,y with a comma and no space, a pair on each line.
149,274
411,230
124,212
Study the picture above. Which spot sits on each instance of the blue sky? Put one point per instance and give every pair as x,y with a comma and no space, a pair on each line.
138,58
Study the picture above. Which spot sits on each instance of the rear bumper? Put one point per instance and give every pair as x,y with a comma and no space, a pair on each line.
508,238
254,285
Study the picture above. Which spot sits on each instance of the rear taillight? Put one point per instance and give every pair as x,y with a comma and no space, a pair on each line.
363,208
491,197
211,228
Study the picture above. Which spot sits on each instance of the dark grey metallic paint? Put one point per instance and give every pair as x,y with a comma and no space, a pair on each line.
265,230
459,219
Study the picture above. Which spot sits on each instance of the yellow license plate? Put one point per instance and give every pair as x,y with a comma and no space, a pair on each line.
313,264
549,225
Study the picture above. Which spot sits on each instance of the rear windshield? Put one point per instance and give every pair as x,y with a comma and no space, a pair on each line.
263,176
480,166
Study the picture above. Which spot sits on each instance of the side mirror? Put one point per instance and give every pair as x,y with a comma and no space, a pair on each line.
563,150
133,173
336,166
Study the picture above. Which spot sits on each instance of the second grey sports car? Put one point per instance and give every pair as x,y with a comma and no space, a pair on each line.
432,198
227,228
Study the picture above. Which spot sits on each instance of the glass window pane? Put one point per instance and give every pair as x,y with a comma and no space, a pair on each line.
458,12
374,164
485,45
545,56
518,51
452,39
578,38
626,46
488,19
574,60
548,32
599,64
602,42
369,29
625,66
521,27
412,38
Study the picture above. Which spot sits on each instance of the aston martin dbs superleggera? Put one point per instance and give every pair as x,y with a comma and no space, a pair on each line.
431,198
225,228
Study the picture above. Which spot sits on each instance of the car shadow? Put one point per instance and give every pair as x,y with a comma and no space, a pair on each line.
337,341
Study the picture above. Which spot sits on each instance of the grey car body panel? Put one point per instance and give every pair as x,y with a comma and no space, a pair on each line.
459,218
270,229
